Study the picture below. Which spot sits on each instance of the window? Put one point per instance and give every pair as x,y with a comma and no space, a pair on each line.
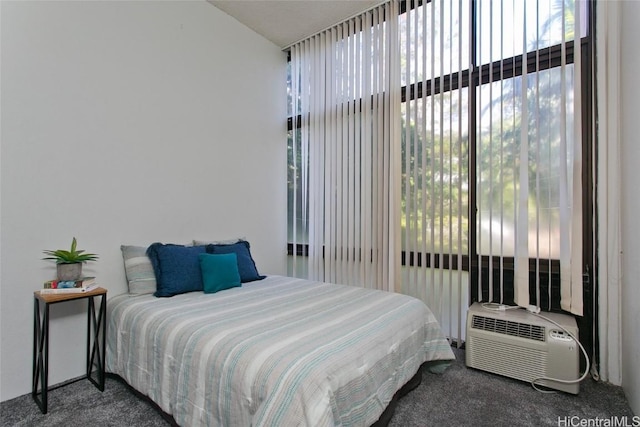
491,127
434,39
462,119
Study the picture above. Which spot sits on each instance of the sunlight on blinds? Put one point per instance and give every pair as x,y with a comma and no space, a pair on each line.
445,137
435,187
528,139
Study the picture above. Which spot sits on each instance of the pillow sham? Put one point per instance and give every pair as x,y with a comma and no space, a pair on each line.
246,266
219,272
138,269
177,268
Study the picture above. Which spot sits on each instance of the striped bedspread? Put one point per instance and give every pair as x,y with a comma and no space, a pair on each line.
277,352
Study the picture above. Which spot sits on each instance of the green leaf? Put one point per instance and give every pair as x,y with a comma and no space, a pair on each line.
61,256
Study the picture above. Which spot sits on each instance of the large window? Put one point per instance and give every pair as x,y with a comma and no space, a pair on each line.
488,107
494,119
462,118
532,115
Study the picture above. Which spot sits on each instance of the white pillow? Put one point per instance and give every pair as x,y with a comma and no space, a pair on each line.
139,270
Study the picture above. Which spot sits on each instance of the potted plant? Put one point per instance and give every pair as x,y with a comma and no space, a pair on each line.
69,263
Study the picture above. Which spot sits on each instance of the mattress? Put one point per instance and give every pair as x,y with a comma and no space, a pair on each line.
275,352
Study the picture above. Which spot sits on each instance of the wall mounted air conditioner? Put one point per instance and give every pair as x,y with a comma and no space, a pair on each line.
520,345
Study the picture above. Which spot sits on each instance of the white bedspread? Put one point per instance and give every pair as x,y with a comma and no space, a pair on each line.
277,352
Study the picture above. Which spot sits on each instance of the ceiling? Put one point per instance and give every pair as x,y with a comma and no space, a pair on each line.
286,22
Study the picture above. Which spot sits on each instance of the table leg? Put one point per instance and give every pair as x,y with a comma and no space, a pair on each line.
96,340
40,355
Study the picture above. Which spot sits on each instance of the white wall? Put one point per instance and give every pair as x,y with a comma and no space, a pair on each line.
630,154
129,123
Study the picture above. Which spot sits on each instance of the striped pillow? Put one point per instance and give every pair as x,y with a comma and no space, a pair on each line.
139,271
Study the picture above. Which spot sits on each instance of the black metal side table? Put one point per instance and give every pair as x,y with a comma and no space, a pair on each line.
96,340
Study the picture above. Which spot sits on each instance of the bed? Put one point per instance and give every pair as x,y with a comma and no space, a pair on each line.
213,343
273,352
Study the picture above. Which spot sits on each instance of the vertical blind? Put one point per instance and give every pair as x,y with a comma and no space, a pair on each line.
609,61
345,95
528,148
445,137
435,185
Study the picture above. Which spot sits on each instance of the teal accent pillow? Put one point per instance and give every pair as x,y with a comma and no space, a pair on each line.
246,265
219,272
176,267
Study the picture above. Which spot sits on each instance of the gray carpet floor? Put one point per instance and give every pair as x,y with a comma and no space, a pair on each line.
458,397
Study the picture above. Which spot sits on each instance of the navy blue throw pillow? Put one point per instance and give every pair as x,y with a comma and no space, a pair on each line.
246,265
177,268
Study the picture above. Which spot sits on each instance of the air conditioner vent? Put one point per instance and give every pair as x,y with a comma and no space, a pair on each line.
508,327
517,344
